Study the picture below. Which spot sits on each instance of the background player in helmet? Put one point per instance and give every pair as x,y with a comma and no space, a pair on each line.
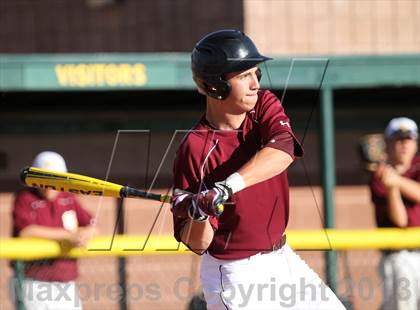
53,215
237,155
395,192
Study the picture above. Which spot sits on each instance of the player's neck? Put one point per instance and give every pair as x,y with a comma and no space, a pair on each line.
49,194
220,119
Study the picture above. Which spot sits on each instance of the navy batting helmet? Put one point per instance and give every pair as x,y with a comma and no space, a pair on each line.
219,53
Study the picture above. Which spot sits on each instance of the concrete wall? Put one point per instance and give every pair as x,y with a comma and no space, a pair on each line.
334,26
278,26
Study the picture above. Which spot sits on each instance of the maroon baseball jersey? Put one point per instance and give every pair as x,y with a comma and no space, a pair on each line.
378,195
31,208
255,218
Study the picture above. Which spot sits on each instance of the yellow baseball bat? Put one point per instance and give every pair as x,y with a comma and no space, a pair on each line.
80,184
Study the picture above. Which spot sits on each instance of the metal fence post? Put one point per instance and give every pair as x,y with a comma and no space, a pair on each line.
328,176
122,276
19,268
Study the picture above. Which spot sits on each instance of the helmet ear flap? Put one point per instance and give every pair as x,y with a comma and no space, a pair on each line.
258,73
218,89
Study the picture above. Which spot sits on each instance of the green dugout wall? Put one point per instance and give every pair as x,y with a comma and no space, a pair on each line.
57,72
324,76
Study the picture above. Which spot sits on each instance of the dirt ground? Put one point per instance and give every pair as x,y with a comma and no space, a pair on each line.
167,281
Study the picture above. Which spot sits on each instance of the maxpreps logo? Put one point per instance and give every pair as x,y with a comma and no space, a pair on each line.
101,75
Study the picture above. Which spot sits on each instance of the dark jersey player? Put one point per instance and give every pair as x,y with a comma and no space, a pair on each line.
237,155
395,191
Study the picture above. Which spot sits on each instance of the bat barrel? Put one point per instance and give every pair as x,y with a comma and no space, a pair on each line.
80,184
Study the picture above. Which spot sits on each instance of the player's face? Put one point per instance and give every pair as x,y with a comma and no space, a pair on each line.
245,86
402,151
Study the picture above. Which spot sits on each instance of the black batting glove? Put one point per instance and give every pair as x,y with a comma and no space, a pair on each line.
199,206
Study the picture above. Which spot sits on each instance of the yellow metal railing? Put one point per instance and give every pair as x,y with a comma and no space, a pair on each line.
122,245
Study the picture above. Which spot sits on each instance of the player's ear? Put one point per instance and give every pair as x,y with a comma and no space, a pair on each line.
202,87
201,91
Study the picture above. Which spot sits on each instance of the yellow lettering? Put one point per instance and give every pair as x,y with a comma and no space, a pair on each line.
111,76
71,71
99,74
88,75
125,74
139,74
80,75
62,74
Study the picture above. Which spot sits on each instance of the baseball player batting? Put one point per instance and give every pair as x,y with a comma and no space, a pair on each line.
237,155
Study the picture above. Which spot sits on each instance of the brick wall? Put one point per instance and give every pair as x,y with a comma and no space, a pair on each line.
60,26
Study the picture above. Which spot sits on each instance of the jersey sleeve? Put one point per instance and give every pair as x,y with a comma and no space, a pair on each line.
186,179
275,128
380,202
83,216
22,212
415,166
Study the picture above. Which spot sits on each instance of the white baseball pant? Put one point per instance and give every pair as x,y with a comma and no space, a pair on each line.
276,280
401,274
42,295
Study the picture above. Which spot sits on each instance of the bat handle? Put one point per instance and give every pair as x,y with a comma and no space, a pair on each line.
166,198
127,192
23,175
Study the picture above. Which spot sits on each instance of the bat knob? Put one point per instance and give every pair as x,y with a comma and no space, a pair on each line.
219,209
23,175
